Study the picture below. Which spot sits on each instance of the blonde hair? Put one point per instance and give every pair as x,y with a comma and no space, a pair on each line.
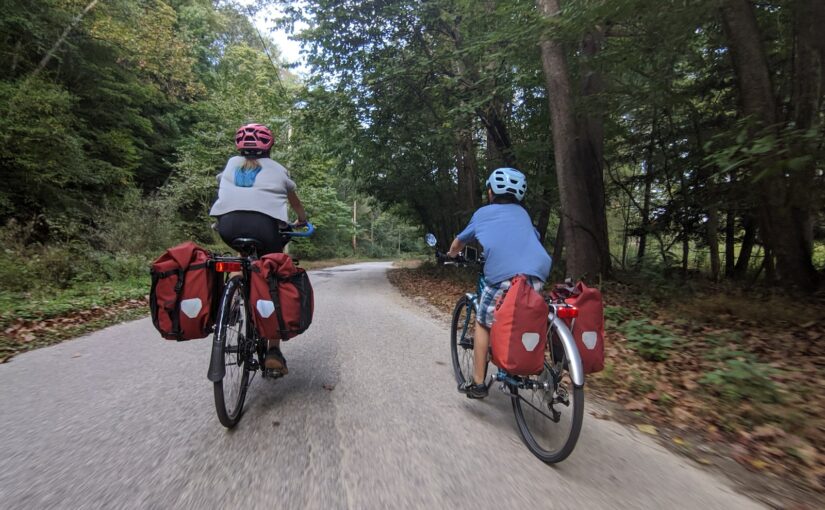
250,164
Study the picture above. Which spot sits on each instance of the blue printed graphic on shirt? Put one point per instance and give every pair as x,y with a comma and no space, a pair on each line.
246,178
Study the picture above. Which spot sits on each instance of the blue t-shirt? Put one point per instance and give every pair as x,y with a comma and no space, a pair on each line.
511,243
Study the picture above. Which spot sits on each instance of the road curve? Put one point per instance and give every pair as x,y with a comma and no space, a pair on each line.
123,419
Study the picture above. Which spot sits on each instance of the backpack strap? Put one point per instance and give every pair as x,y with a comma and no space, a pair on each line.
276,300
175,316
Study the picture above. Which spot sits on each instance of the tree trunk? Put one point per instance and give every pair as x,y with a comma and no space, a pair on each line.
770,267
626,218
785,209
686,227
558,247
584,233
645,211
730,242
542,220
748,240
50,54
502,147
590,125
808,84
712,239
469,197
354,226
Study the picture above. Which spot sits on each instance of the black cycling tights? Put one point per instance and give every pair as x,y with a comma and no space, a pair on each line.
255,225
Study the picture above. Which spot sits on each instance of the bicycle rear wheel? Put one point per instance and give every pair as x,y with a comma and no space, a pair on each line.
549,408
461,340
233,332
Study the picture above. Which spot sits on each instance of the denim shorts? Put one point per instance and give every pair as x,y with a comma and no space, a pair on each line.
491,294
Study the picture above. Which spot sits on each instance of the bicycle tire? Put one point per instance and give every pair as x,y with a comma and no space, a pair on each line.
461,345
232,318
529,433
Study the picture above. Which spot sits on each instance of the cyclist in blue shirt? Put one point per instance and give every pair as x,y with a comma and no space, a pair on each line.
511,246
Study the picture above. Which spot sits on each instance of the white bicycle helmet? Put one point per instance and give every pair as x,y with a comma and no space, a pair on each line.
508,180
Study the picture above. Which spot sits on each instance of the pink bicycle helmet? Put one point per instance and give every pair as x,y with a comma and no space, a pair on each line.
253,138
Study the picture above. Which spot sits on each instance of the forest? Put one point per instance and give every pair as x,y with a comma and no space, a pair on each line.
684,136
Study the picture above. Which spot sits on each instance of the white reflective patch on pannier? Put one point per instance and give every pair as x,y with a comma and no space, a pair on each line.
589,338
530,340
265,308
191,307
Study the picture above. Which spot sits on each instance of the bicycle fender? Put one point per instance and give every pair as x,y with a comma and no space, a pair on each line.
217,368
575,360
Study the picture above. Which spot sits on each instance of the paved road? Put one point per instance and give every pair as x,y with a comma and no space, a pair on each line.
121,419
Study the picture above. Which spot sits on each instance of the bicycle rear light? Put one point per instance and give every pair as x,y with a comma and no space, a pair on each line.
567,312
227,267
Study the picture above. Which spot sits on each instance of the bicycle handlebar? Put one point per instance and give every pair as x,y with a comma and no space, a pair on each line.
460,260
310,229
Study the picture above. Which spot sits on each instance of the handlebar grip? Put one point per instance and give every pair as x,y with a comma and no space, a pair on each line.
309,231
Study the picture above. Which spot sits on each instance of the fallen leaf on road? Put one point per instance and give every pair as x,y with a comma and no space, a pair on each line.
328,387
679,441
648,429
758,464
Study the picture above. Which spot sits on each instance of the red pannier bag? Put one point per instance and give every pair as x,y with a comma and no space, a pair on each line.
588,327
519,332
182,299
281,297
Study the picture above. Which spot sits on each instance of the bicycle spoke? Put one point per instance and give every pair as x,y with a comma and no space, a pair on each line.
548,412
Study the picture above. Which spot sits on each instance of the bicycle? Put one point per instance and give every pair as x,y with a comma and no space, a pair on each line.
237,350
549,397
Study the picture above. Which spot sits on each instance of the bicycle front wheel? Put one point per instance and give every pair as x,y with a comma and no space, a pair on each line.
549,408
233,335
461,340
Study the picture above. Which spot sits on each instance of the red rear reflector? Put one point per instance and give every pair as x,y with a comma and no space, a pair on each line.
567,312
227,267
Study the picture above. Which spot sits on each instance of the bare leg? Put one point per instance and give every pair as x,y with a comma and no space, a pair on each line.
481,344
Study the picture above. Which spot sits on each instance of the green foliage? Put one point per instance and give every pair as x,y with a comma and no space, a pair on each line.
113,142
741,379
42,154
139,225
332,219
616,314
652,342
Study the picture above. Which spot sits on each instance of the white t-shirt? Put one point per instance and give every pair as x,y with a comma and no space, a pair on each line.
263,191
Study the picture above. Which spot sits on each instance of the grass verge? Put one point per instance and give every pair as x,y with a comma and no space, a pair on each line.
43,316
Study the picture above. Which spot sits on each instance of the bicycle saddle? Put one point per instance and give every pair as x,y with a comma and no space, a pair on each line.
247,245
